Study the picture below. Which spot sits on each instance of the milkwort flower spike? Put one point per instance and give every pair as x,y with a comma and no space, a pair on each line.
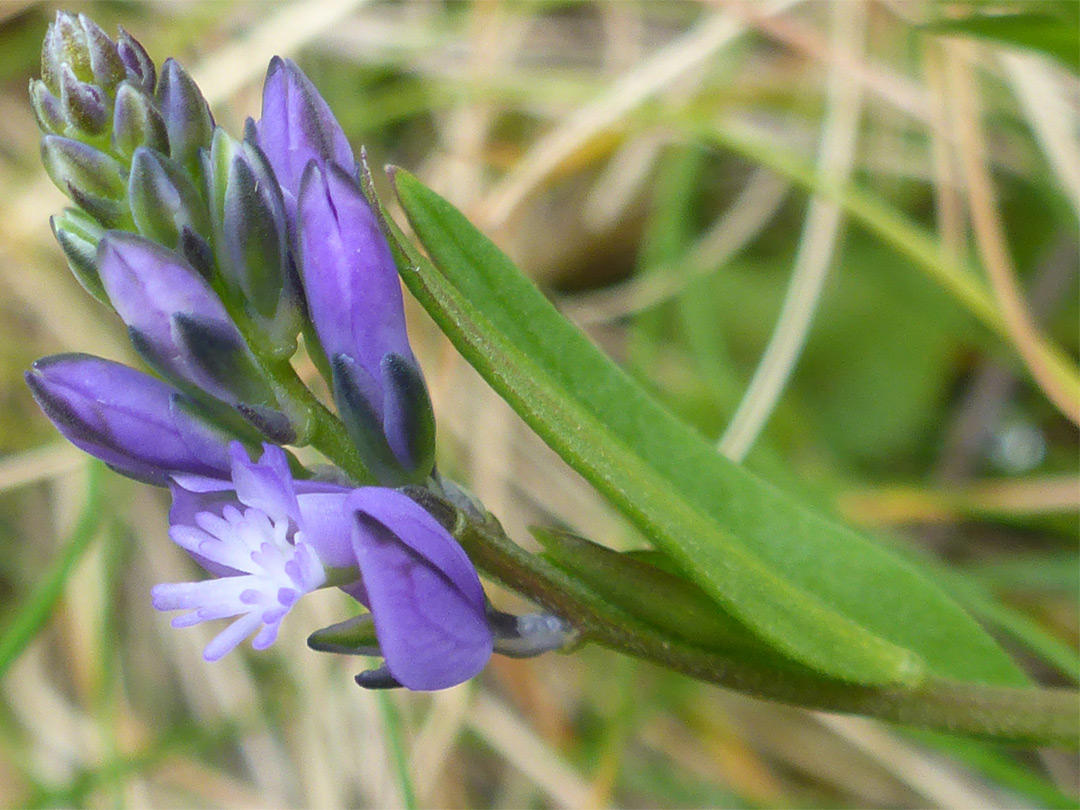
138,425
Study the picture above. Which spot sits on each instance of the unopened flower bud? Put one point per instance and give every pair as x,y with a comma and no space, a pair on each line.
47,108
137,122
355,302
186,114
297,127
84,105
107,67
79,43
251,234
136,424
163,199
176,321
140,67
64,44
91,178
78,235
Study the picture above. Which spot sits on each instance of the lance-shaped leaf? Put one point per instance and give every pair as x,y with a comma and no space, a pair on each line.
815,590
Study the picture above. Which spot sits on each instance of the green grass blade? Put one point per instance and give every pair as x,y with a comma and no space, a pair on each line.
34,613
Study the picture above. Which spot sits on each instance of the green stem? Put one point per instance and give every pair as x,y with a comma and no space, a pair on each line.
325,431
1034,716
327,434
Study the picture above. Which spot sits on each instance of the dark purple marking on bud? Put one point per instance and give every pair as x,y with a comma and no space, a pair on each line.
271,424
219,356
408,418
139,65
358,401
378,678
198,253
109,213
84,105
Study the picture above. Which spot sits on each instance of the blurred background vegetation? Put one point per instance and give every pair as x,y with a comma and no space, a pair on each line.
906,173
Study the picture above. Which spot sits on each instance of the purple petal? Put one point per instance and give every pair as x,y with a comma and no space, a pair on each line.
148,285
265,485
328,526
124,417
424,594
193,495
349,274
297,127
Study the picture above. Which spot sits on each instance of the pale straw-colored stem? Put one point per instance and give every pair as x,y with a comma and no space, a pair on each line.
1051,371
816,247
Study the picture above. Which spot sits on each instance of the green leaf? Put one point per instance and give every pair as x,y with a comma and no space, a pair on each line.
814,590
1048,34
663,598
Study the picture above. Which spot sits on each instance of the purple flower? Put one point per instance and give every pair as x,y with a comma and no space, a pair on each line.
269,540
355,302
297,128
423,592
133,422
349,278
176,320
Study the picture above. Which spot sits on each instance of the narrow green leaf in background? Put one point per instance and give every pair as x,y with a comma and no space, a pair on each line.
815,590
36,610
1055,36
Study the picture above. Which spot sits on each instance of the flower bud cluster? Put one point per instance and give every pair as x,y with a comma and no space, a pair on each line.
217,253
156,232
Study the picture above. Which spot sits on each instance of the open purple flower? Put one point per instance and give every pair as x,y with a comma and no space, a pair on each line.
269,540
